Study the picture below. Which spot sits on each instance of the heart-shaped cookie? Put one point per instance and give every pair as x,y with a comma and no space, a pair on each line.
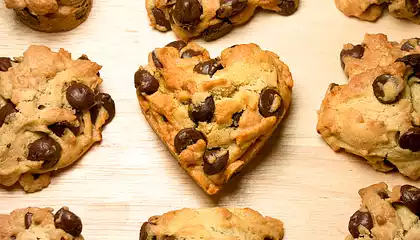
214,115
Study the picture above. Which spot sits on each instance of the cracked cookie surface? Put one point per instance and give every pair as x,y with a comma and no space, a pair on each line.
371,10
213,115
40,223
376,115
212,223
211,19
51,15
386,214
50,114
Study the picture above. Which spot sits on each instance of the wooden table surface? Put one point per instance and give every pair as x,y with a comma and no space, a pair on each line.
130,176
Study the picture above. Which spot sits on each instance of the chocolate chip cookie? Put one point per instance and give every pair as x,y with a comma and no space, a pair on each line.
371,10
210,19
51,15
213,114
40,223
377,114
212,223
387,215
50,114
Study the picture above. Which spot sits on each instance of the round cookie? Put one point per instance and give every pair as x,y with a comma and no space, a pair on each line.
41,223
213,114
386,215
212,223
211,19
50,114
377,114
51,15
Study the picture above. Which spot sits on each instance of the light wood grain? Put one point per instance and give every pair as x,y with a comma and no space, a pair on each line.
130,175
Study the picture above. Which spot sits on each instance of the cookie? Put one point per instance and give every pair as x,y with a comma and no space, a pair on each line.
377,114
210,19
387,215
213,114
212,223
40,223
51,15
50,114
371,10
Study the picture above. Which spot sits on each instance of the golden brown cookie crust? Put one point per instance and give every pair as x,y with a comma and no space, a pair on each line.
161,12
388,215
212,223
352,118
51,15
33,223
35,87
247,70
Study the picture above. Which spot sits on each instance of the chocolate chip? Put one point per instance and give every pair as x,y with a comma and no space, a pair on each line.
229,8
69,222
186,137
268,238
203,112
103,100
5,64
160,18
177,44
410,196
84,57
332,86
45,149
215,160
235,119
208,67
60,127
411,139
190,53
80,96
187,13
270,103
360,219
156,61
383,195
145,82
387,88
412,60
389,164
36,176
356,51
5,111
407,46
217,31
143,231
288,7
28,219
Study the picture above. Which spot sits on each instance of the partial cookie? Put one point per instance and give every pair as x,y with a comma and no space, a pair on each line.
50,114
387,215
51,15
213,114
377,114
212,223
211,19
40,223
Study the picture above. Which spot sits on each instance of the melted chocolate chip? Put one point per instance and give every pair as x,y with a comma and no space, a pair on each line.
407,46
160,18
387,89
28,220
177,44
360,219
5,111
270,103
45,149
103,100
217,31
190,53
412,60
288,7
215,161
203,112
410,196
156,61
80,96
229,8
410,139
187,13
145,82
60,127
356,52
235,119
208,67
187,137
5,64
69,222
